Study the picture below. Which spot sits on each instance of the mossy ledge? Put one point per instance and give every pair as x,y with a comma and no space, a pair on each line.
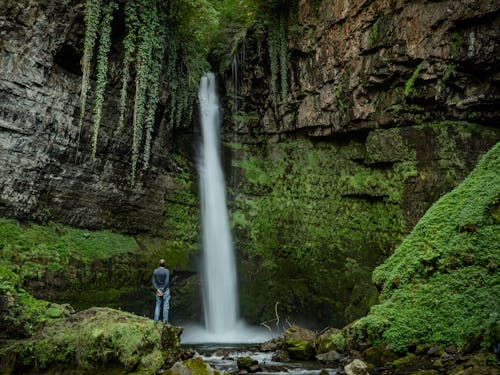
441,284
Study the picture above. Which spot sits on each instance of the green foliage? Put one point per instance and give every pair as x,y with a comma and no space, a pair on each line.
93,10
375,31
283,59
129,45
102,69
411,82
277,48
441,284
273,43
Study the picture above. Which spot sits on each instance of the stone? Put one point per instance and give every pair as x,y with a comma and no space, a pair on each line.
329,357
379,355
269,346
356,367
299,343
194,366
244,363
255,368
323,342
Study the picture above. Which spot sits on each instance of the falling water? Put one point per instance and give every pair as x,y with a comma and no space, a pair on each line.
219,285
220,299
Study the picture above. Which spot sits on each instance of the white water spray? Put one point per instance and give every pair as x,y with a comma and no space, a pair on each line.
219,284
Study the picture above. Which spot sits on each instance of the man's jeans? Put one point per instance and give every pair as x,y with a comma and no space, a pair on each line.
165,301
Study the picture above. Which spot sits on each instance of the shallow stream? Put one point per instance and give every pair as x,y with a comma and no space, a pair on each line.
223,357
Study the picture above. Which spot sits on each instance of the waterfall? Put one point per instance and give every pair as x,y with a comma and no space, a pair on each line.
219,284
220,298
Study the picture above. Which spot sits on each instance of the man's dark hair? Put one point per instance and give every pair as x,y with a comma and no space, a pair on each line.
162,262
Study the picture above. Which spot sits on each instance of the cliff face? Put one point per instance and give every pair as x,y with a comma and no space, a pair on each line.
370,64
390,104
45,169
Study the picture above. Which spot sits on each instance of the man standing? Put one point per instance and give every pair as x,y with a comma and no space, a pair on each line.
161,277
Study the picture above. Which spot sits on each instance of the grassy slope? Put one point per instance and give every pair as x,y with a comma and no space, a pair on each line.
441,285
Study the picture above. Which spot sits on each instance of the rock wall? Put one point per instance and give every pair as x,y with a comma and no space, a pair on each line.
45,169
390,104
360,65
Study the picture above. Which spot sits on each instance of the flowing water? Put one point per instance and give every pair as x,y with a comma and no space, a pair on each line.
219,283
224,357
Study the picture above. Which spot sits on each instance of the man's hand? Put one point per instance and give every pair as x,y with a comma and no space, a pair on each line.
159,293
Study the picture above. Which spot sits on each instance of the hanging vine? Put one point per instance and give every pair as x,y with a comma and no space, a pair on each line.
158,52
278,59
273,44
283,59
102,70
92,16
129,45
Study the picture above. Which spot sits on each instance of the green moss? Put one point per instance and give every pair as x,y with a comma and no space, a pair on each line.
297,216
402,361
30,250
439,286
411,82
180,237
92,340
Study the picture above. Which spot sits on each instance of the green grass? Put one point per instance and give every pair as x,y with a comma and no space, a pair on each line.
441,284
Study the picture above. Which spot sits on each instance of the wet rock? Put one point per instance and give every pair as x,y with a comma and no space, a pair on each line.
281,356
269,346
329,357
299,343
436,351
379,355
356,367
194,366
255,368
244,363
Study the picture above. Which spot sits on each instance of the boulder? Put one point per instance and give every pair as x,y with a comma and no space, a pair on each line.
329,358
379,355
299,342
356,367
244,363
269,346
194,366
332,339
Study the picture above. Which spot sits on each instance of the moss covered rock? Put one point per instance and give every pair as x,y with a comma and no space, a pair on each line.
331,339
92,341
441,285
299,342
379,355
194,366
